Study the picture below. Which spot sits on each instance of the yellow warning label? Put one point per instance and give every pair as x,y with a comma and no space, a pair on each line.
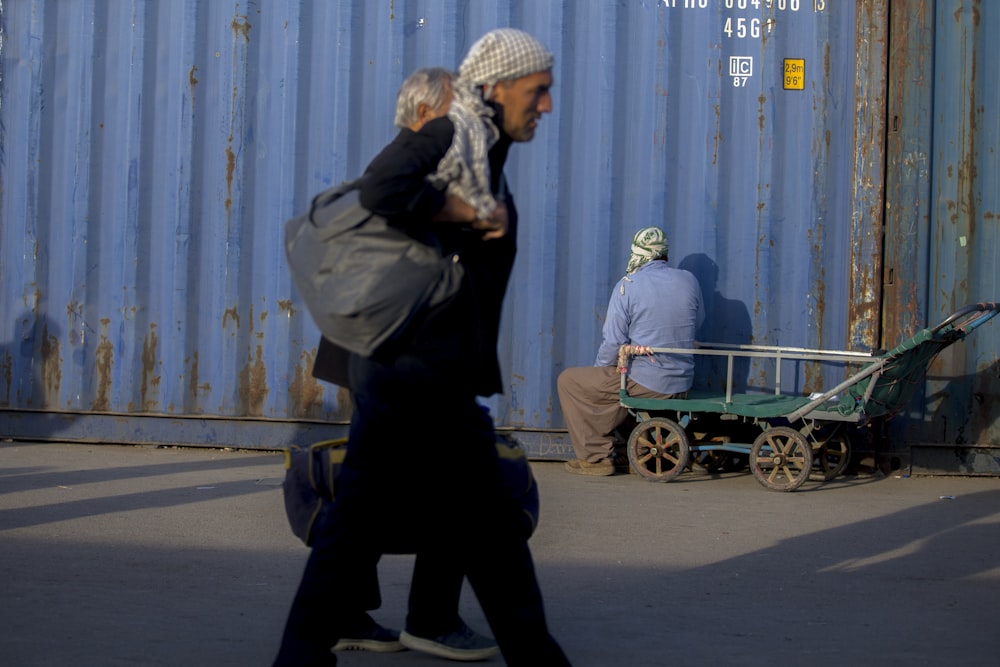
795,74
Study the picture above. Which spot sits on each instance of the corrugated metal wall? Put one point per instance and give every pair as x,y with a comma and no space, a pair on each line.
942,206
152,150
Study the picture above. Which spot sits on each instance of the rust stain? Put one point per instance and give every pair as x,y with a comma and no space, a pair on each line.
231,314
230,170
193,387
193,377
968,176
51,366
761,379
717,135
867,224
241,27
253,384
192,81
813,378
813,371
104,364
961,8
305,391
820,297
345,405
150,378
287,306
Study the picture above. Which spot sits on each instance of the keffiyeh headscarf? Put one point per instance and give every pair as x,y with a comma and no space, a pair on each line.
648,244
501,55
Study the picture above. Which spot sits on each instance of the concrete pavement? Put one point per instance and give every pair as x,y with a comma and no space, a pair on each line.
114,555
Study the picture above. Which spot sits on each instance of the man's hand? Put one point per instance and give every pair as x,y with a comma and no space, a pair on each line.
495,226
456,210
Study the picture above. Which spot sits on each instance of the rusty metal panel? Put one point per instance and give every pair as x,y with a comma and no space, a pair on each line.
869,173
942,203
152,150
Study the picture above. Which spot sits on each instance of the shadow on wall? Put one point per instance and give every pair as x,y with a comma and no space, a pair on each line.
726,321
31,368
966,410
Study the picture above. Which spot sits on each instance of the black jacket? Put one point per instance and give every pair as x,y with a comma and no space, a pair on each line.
458,340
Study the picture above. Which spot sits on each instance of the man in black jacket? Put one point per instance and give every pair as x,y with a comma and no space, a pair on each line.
422,465
432,618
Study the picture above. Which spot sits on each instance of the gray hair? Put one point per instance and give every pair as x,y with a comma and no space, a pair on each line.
428,86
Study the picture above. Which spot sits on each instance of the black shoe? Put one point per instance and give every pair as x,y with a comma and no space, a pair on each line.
463,644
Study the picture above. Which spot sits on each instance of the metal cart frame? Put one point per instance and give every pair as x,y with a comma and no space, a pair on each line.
797,436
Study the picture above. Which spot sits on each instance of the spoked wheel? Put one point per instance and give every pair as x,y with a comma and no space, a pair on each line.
781,458
831,455
658,449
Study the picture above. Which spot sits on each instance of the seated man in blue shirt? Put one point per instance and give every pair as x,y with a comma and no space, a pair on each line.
654,305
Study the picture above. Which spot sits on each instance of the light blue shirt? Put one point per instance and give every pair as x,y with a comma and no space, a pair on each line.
655,306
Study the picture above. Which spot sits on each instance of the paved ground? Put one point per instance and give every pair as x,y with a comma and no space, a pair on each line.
141,556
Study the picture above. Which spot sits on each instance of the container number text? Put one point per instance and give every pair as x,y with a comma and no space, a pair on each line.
779,5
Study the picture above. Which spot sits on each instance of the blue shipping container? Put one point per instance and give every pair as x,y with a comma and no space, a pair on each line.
151,152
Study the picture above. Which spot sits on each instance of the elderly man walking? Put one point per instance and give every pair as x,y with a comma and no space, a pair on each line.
422,464
433,624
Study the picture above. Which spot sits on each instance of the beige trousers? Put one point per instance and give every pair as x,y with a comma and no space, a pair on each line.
588,396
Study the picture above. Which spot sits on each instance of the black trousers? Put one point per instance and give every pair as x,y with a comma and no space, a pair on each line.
432,609
421,473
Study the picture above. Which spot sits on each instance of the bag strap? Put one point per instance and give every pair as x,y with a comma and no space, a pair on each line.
332,194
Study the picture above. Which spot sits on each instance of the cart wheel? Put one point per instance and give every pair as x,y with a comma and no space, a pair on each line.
831,456
658,449
781,458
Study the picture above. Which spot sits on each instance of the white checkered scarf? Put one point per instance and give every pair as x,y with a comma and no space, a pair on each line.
502,55
465,168
499,55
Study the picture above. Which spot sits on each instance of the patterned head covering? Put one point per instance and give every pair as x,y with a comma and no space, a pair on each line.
648,244
504,54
